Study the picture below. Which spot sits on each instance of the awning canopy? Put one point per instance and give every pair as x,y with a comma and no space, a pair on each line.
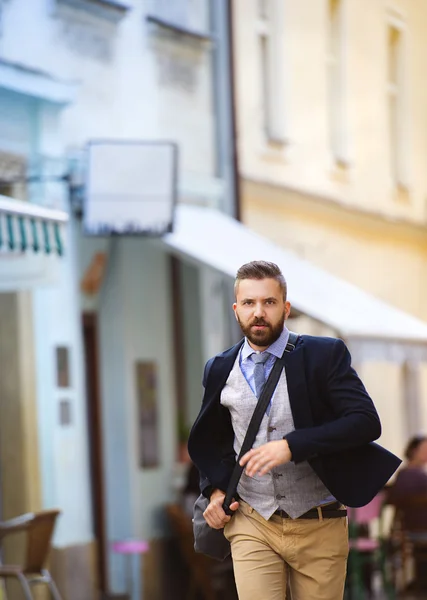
219,241
29,227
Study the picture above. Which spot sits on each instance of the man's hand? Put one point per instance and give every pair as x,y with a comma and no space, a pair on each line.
214,515
264,458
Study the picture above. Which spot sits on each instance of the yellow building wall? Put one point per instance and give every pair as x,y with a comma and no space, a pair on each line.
305,162
351,220
388,260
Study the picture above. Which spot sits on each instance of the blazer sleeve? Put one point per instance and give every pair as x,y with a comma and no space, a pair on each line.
355,420
206,488
206,371
205,485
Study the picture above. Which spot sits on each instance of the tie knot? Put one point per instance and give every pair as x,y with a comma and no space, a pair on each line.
260,358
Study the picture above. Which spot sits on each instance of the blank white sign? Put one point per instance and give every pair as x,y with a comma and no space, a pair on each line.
131,188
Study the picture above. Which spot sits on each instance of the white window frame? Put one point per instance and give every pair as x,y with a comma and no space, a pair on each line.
269,33
336,63
396,91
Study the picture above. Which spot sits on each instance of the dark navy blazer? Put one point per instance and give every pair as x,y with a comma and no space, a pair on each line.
335,422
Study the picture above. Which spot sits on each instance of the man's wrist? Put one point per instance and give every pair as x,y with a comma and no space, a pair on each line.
216,493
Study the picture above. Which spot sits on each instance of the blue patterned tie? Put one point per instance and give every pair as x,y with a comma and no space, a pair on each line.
259,371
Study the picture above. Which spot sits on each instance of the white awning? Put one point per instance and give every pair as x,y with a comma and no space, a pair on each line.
215,239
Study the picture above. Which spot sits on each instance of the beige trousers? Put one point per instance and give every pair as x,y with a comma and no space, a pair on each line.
311,553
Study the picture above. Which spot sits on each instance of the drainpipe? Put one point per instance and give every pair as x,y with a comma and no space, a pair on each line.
224,101
233,112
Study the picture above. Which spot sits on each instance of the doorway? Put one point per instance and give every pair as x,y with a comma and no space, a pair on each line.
94,420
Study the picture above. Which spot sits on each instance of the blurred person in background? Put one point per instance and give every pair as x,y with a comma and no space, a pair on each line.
311,456
411,486
411,480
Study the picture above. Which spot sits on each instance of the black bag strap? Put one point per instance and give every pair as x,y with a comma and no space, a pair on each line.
256,419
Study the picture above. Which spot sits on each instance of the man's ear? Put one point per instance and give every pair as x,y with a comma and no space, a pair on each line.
234,308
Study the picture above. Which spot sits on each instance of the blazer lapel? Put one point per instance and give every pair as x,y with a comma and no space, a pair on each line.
297,387
295,378
220,370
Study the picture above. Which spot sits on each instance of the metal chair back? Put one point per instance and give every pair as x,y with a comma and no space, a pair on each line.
39,529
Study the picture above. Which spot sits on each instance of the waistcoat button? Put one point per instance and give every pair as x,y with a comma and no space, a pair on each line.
270,429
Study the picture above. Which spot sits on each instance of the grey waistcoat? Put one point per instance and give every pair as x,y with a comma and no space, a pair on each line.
293,488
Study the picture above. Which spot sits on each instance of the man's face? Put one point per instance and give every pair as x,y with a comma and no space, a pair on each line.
261,311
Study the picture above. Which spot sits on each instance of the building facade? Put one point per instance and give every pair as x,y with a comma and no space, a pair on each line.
331,104
111,356
117,345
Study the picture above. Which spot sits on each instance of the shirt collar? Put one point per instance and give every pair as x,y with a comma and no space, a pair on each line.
277,348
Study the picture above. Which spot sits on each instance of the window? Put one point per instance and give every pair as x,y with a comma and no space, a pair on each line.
395,100
336,89
111,10
271,67
6,188
411,396
13,172
187,15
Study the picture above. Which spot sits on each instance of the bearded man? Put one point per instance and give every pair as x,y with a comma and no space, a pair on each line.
313,454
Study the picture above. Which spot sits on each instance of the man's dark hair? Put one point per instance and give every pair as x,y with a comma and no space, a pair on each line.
261,269
413,445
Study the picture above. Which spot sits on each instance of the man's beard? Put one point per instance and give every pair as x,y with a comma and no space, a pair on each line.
262,338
